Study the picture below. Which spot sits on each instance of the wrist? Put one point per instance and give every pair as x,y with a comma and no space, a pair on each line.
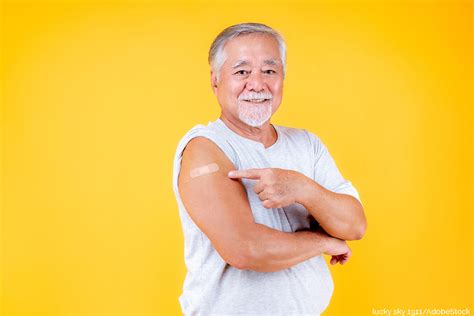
325,241
305,189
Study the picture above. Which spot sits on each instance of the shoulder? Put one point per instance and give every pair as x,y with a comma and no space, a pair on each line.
201,152
199,131
300,135
202,148
207,140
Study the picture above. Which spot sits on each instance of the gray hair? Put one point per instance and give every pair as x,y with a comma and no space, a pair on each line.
217,55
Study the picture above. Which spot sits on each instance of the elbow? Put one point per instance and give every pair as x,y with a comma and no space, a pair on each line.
241,261
359,232
356,230
354,233
360,228
244,261
354,227
249,258
237,254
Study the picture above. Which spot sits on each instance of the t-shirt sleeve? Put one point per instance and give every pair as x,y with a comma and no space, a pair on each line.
326,172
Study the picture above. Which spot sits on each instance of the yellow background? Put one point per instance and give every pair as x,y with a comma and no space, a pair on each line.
97,94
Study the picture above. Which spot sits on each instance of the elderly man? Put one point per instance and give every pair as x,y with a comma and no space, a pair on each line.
259,203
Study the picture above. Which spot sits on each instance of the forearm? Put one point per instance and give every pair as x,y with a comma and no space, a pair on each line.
340,215
273,250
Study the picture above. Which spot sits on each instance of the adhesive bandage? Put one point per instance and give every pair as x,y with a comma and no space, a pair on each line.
210,168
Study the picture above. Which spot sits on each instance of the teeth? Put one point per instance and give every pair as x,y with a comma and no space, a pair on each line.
256,100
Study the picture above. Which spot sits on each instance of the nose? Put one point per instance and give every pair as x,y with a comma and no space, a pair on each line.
255,81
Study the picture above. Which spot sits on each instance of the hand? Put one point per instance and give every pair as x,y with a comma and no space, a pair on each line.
339,250
335,247
276,187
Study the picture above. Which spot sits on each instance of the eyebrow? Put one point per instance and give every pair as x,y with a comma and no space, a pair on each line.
271,62
240,63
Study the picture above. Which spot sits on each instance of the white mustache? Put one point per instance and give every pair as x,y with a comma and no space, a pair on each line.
255,96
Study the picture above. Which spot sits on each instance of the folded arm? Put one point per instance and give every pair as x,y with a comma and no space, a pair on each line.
341,215
219,206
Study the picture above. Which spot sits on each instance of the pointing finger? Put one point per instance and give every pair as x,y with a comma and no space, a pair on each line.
248,173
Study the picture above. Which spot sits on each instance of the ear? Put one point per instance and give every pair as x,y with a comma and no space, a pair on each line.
214,82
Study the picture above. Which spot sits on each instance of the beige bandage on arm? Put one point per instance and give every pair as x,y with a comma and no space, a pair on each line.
200,171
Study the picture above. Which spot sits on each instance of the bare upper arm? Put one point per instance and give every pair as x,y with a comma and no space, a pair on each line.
217,204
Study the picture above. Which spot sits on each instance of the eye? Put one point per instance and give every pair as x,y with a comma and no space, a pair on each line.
270,71
241,72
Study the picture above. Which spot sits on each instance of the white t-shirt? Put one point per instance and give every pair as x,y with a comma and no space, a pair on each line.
213,287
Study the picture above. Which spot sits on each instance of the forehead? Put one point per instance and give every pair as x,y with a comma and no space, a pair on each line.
252,48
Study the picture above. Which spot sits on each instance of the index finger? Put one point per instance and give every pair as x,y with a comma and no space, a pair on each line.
247,173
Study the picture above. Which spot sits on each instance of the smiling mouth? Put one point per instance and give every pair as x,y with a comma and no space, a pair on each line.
257,100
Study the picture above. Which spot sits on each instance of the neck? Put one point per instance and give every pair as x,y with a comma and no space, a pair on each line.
264,134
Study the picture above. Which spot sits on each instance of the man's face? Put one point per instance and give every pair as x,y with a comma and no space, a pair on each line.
250,84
